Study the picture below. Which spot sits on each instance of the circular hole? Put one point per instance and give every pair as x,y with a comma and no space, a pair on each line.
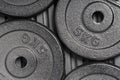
98,17
21,62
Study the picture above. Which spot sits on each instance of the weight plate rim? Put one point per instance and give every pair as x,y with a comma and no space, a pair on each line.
20,11
111,66
57,56
70,43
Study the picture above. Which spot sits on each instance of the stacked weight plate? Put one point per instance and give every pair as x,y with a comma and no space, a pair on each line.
31,51
59,40
89,28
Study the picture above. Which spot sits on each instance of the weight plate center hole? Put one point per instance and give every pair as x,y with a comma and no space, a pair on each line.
98,17
21,62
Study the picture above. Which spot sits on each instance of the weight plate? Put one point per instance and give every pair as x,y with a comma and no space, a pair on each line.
115,2
89,28
98,71
29,51
23,8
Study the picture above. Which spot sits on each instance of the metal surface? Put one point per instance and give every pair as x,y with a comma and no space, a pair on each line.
29,51
89,28
98,71
72,61
23,8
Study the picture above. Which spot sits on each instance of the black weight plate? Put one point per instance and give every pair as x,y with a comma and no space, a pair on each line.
98,71
89,28
29,51
23,8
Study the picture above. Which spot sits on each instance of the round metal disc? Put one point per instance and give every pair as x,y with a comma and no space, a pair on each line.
23,8
89,28
29,51
99,71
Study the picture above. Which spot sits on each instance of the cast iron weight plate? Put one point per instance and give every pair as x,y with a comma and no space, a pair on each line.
97,71
89,28
29,51
115,2
23,8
